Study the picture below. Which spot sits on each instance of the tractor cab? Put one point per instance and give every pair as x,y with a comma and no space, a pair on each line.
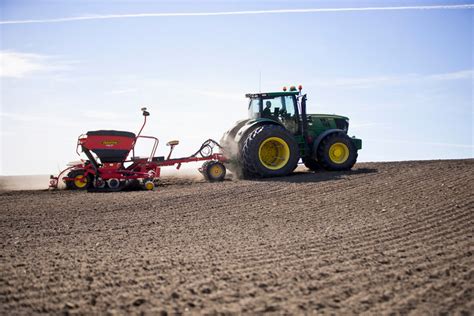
281,107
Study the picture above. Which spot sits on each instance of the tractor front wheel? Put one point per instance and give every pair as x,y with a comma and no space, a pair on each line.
337,152
79,182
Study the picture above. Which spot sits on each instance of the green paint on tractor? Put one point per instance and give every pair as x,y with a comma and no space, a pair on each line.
279,132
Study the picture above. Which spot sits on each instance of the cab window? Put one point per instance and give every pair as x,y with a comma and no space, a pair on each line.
279,107
254,108
288,106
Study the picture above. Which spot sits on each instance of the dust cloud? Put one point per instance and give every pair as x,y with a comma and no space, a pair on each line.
28,182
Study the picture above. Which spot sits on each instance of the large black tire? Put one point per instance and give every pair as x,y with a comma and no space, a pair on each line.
269,151
337,152
74,185
213,171
312,164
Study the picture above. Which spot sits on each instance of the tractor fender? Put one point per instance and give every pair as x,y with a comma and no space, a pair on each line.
250,126
229,136
320,138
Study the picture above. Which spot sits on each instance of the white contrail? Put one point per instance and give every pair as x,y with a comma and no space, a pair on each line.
314,10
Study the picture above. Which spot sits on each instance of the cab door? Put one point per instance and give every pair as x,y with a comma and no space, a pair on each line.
288,114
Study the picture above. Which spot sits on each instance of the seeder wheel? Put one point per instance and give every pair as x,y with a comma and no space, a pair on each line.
213,171
148,185
99,183
80,181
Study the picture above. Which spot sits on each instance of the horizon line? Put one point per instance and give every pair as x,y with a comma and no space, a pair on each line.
223,13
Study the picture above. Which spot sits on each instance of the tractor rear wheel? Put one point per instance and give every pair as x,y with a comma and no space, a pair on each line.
79,182
213,171
270,150
311,164
337,152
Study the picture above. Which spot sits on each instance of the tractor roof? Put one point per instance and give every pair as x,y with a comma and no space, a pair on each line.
271,94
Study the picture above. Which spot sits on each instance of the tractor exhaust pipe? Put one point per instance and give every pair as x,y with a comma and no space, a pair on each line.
304,117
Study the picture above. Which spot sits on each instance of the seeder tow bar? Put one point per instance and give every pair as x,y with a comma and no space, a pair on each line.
111,169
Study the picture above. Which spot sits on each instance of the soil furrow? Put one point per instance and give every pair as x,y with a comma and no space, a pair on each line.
384,238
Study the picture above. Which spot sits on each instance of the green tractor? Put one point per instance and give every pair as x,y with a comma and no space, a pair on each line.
279,132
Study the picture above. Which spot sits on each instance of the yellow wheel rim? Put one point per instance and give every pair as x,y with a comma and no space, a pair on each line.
80,181
274,153
216,171
149,185
338,153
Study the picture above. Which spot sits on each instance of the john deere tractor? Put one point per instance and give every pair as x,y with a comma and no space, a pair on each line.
279,132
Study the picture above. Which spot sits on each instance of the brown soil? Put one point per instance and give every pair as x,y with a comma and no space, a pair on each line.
385,237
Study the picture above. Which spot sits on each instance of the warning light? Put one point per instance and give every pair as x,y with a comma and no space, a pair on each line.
284,88
292,88
300,87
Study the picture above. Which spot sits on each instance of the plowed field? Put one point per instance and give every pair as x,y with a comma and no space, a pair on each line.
385,237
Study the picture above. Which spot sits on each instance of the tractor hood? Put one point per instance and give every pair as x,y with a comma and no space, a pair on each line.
320,122
328,116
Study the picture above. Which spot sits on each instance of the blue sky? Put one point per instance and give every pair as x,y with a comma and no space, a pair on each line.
404,77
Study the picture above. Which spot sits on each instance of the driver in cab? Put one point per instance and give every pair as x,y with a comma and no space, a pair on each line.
267,111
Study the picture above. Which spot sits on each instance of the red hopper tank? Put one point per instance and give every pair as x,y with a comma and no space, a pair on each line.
109,145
